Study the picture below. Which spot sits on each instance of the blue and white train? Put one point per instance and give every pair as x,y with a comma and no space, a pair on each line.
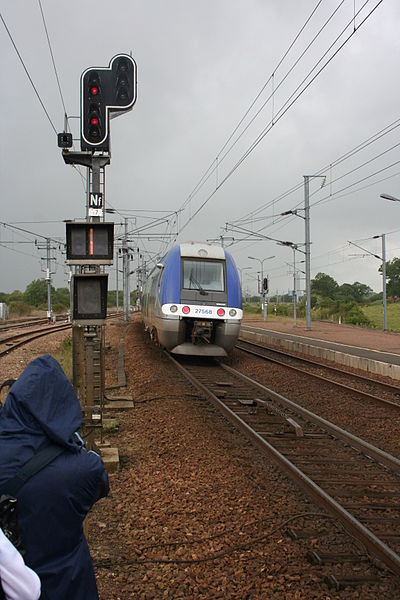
192,303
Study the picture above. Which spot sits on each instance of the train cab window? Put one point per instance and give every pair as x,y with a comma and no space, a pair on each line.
203,275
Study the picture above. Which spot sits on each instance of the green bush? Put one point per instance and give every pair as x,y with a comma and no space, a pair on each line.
252,309
59,308
355,316
18,308
64,356
283,310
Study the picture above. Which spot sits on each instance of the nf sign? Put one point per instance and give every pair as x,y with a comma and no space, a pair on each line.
96,205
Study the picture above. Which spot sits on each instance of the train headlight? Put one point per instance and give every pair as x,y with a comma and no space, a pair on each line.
185,310
220,312
232,312
173,308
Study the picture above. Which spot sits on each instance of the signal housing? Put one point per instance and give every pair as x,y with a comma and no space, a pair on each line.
105,91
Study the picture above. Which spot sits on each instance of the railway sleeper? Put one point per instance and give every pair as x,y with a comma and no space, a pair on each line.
358,482
373,507
377,494
322,558
340,583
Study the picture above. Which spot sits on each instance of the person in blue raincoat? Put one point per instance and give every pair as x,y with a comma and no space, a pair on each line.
42,408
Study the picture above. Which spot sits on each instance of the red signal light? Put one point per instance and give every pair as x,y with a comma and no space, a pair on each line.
94,121
94,90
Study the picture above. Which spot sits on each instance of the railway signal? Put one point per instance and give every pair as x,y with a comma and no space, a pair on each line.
89,243
105,92
89,298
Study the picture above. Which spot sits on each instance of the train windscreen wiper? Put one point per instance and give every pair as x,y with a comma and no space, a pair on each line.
192,279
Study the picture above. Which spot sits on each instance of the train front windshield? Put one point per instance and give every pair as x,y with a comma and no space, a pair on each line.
203,275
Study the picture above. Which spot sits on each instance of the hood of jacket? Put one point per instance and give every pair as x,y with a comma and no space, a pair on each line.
41,406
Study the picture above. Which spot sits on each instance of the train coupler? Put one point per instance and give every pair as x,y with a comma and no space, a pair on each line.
202,332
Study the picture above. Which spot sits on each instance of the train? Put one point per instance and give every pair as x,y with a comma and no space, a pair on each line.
192,301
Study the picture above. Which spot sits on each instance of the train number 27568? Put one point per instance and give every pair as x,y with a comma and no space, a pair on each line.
203,311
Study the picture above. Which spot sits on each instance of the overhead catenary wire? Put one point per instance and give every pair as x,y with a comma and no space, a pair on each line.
212,167
28,75
31,80
52,56
290,101
249,217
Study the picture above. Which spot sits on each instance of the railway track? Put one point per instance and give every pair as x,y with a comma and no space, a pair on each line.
354,481
370,412
379,391
28,322
11,342
15,340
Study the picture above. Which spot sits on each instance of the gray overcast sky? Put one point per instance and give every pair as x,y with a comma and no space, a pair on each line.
200,66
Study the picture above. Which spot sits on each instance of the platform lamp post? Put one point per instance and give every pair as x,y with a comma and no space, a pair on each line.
262,291
294,247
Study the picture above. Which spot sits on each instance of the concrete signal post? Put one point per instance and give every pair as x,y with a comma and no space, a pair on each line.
90,244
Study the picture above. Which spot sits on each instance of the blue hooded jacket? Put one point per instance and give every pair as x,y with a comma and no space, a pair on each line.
42,408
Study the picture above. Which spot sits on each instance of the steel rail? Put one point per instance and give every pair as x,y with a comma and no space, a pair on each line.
15,336
386,459
371,542
14,324
41,333
32,337
320,377
314,363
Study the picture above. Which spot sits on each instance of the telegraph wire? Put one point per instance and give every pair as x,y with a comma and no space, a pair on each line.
249,217
289,103
27,73
207,173
273,74
2,244
36,235
293,98
329,198
32,83
283,221
34,222
52,56
273,120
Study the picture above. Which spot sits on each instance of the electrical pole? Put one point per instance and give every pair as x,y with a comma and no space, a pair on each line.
294,289
125,267
116,281
307,249
48,279
383,259
384,280
48,247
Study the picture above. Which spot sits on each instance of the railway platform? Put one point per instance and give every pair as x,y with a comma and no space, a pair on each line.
360,348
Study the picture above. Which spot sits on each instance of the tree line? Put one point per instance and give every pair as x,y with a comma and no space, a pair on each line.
328,298
35,297
332,301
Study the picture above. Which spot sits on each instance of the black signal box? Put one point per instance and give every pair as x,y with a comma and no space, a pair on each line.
89,243
89,299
